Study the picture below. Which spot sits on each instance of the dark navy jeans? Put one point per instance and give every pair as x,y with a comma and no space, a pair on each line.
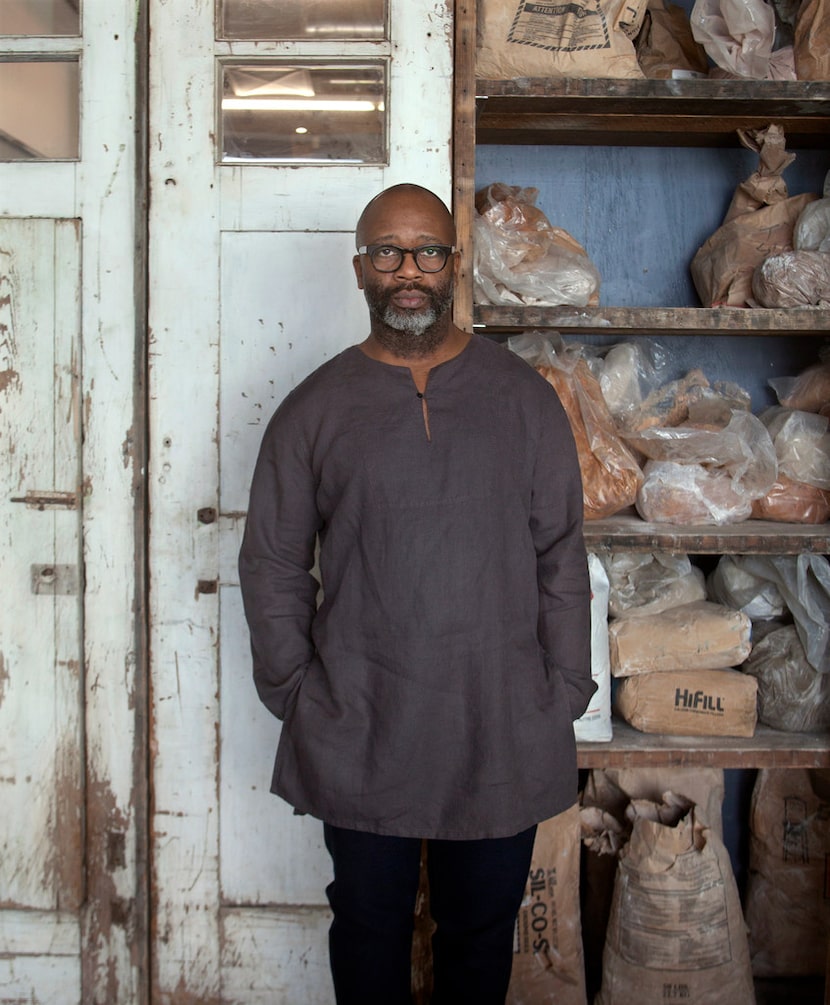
476,889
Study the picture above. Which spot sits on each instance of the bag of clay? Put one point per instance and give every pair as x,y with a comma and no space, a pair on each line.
792,502
809,391
676,926
704,476
688,494
520,258
738,35
584,38
548,961
812,40
792,279
787,907
801,492
628,372
699,636
731,584
792,695
689,399
743,449
610,472
642,583
802,444
606,826
666,48
758,224
812,228
804,584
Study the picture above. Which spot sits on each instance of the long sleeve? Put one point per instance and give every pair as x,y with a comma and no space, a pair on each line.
564,584
275,562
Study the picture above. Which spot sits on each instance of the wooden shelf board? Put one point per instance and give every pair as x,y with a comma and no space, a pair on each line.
666,320
626,532
768,748
648,112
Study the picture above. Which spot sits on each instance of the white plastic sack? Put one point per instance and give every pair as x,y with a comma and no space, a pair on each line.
594,724
737,34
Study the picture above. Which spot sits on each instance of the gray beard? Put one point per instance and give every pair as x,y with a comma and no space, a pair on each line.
410,334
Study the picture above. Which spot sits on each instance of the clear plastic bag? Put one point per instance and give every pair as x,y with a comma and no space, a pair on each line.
802,444
804,583
611,474
732,585
812,228
643,583
689,494
743,449
793,279
627,373
792,695
737,34
809,391
520,258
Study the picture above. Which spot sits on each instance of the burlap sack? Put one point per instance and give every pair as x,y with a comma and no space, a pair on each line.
584,38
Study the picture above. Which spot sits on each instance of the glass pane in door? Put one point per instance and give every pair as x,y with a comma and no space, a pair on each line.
312,20
305,112
39,111
40,17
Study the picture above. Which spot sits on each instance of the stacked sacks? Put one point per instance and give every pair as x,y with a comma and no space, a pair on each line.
672,652
704,472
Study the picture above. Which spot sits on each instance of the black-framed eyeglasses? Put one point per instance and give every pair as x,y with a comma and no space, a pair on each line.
388,257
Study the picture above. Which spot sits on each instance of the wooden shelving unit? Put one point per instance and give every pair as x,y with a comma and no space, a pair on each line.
677,113
768,748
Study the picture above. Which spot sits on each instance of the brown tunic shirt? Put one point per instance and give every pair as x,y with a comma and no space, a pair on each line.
433,692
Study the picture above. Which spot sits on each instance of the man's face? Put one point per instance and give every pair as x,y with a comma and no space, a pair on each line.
408,302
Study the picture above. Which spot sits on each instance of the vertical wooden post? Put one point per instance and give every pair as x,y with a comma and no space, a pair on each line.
464,155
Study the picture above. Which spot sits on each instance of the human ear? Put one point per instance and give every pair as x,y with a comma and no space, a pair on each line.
358,271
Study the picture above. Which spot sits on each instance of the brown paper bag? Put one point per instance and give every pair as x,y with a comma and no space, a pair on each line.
606,826
812,41
758,224
584,38
788,888
666,44
548,964
676,930
699,636
690,702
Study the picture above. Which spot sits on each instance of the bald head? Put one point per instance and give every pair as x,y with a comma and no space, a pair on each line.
406,201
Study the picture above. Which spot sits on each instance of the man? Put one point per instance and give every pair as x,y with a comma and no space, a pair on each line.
432,694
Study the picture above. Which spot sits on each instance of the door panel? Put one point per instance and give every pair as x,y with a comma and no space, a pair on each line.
41,652
251,288
73,850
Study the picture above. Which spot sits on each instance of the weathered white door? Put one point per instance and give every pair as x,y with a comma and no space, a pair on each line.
251,287
72,813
